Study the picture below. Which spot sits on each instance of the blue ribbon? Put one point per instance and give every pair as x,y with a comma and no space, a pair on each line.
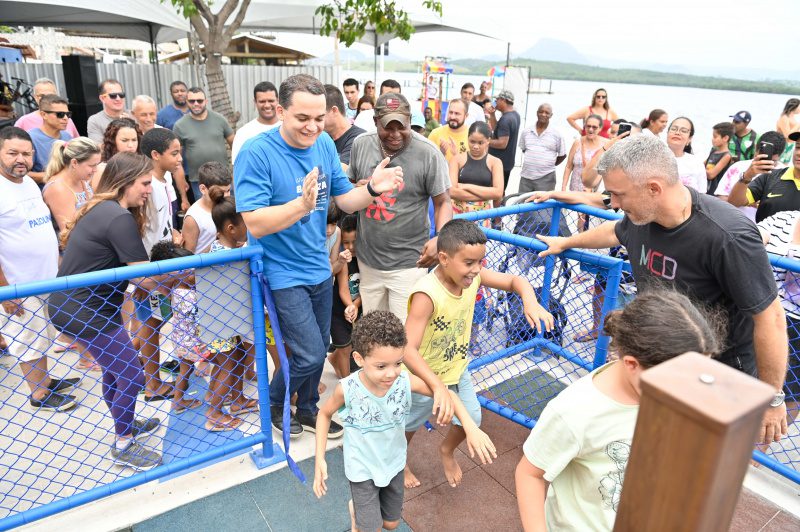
287,412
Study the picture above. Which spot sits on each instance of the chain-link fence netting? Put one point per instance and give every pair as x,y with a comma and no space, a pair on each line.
787,276
518,371
104,378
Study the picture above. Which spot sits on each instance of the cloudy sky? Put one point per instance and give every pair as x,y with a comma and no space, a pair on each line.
729,35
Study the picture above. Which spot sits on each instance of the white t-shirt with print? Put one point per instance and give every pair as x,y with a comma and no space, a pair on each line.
692,172
247,132
582,442
28,242
159,212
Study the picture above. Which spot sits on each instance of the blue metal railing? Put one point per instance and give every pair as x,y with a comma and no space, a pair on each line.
269,452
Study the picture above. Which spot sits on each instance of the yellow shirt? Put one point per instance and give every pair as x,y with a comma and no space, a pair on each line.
445,342
455,140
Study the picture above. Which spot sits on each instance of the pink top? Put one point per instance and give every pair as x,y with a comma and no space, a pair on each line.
34,119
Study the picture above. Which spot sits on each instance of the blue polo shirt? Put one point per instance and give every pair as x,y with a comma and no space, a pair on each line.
269,172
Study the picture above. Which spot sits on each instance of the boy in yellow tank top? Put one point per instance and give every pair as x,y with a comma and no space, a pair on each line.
439,325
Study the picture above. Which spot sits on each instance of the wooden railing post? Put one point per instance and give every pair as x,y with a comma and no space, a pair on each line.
697,425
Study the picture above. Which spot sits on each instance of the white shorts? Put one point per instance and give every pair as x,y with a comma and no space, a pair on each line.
31,335
387,290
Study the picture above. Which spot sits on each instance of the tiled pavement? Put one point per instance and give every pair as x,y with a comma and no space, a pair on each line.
485,500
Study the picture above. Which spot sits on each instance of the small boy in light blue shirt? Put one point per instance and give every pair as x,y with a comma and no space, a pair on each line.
372,404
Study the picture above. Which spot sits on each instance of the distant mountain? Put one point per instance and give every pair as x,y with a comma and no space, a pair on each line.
554,50
742,72
562,52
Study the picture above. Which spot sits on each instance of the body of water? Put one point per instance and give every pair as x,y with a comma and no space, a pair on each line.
705,107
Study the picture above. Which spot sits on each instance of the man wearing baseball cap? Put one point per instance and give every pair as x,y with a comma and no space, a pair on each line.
505,131
743,142
393,243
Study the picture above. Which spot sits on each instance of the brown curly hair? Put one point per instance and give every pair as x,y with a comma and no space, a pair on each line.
378,328
110,136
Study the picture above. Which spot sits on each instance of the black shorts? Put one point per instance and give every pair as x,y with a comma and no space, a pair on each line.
374,505
341,329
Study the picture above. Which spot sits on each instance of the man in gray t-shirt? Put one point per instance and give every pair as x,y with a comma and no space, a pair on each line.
393,246
203,134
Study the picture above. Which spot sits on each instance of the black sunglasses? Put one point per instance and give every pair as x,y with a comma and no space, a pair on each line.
59,114
196,101
115,95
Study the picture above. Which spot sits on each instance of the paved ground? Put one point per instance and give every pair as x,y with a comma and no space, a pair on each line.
484,501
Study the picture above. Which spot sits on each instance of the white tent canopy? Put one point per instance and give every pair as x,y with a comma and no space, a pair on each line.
297,16
144,20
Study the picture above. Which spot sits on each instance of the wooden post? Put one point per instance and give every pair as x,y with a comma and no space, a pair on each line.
697,426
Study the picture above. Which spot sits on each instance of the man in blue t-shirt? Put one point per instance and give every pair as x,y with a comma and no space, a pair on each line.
174,111
55,118
284,179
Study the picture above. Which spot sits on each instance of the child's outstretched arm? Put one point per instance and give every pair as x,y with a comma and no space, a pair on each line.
478,442
534,312
334,403
531,492
419,313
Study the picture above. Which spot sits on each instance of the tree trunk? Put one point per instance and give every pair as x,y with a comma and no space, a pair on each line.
218,89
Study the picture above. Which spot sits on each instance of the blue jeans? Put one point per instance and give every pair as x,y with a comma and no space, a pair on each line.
304,315
196,190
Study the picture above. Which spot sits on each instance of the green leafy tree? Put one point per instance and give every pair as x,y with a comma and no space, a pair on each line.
350,19
215,32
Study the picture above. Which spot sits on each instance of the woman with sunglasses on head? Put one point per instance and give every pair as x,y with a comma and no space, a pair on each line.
369,91
600,107
122,135
691,169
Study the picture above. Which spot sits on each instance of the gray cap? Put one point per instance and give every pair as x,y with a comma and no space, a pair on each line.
507,96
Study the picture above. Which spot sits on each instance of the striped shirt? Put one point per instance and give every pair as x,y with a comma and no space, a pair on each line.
540,152
780,227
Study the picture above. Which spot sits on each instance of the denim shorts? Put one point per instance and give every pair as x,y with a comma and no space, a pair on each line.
421,405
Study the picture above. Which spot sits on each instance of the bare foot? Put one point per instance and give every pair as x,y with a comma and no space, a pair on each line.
352,516
409,479
451,468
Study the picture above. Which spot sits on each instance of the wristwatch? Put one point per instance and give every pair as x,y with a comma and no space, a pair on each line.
778,399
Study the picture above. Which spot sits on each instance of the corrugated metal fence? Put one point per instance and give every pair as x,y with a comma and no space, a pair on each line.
141,79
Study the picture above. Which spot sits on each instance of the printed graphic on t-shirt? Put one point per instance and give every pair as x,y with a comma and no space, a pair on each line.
366,415
444,339
354,284
611,483
322,193
658,264
29,208
382,208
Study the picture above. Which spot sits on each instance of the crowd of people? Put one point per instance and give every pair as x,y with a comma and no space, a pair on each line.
351,196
